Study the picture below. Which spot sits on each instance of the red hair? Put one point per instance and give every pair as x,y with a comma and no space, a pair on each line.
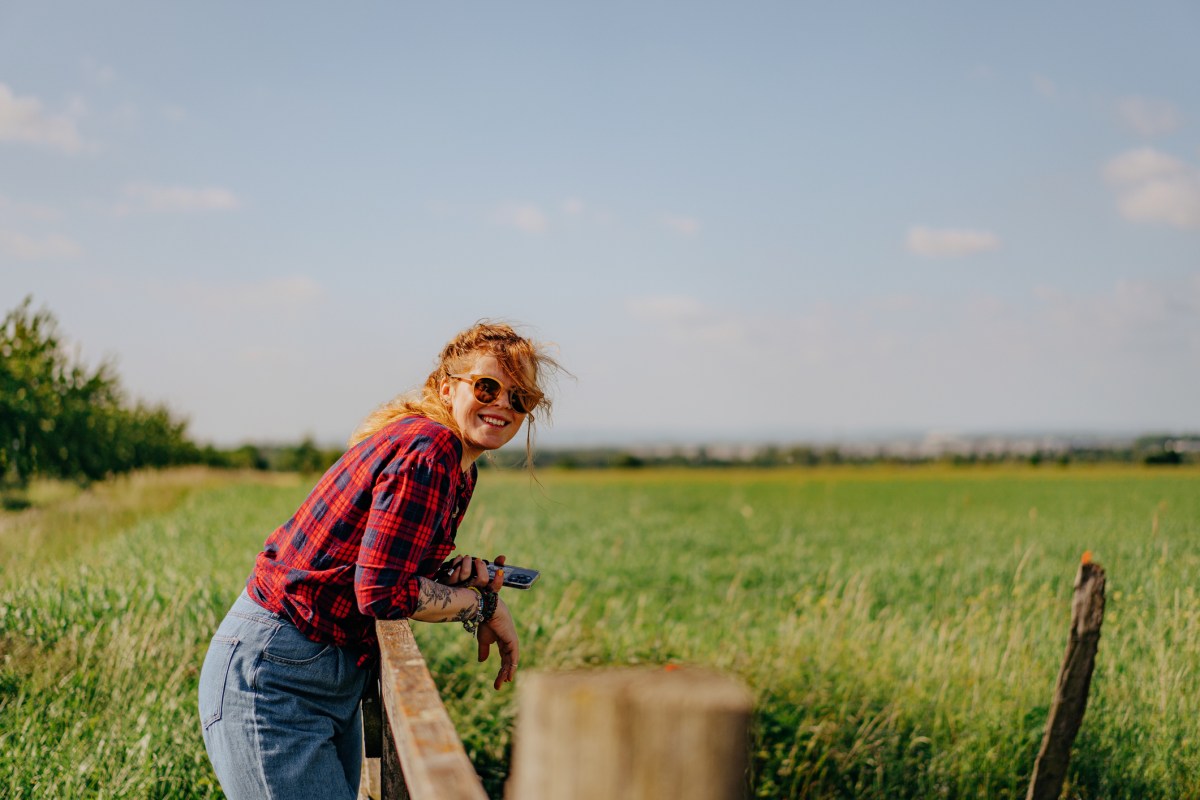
527,362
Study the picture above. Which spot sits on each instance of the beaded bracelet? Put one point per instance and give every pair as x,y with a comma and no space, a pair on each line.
471,624
487,608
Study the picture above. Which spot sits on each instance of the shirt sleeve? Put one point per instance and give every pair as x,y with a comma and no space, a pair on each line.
411,499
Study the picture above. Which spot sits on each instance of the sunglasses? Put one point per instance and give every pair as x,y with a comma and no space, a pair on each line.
487,390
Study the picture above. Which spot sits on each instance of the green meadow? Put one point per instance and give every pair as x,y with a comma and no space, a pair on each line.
900,629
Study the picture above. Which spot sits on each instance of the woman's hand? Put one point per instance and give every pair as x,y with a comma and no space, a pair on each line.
500,630
471,571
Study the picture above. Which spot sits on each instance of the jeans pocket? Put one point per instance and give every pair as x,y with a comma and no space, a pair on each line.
289,646
214,676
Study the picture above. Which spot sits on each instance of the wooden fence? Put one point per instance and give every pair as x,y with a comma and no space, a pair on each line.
636,734
412,748
641,734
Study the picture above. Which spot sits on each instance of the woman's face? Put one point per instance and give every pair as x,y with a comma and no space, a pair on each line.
484,426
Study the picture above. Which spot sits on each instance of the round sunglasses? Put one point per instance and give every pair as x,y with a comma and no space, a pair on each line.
487,390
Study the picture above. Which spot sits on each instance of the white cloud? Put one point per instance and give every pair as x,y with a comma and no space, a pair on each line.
1045,87
1142,164
264,356
145,197
34,211
26,248
296,289
688,226
524,217
1158,319
1118,356
97,73
666,308
23,120
949,243
291,294
1152,186
1149,116
686,319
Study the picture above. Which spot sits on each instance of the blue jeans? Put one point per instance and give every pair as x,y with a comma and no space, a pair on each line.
280,713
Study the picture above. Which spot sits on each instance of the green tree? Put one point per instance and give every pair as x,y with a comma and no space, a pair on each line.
33,374
60,419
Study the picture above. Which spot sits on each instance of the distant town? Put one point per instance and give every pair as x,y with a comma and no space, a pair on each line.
1154,449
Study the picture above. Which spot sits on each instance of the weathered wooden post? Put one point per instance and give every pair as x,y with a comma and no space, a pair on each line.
636,734
1074,679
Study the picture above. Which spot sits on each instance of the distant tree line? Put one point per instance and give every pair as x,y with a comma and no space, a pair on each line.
306,456
62,419
1153,450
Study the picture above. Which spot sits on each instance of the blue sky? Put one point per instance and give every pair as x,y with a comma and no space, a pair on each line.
768,220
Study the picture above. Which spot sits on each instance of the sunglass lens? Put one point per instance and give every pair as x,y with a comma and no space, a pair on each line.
487,390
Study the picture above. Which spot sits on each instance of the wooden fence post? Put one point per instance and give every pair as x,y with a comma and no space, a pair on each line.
636,734
1074,680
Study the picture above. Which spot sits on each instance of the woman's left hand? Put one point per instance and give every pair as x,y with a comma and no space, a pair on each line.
500,631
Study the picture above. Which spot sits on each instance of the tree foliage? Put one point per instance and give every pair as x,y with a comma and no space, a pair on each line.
61,419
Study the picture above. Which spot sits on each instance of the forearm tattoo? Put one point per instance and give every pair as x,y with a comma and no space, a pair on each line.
434,597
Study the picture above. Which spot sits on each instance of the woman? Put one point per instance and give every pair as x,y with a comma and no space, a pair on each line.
281,683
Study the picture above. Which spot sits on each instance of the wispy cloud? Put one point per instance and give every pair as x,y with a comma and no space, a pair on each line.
34,211
673,308
1045,87
22,119
98,74
1149,116
688,226
267,356
524,217
685,318
146,197
949,243
1152,186
27,248
980,361
289,294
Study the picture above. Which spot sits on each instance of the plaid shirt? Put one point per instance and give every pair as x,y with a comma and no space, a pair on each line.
385,513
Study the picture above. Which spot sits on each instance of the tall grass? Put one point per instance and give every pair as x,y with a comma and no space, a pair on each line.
901,630
104,620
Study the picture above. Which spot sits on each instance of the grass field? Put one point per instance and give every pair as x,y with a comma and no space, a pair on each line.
900,629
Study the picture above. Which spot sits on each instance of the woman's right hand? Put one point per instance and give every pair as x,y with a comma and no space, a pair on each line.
501,631
468,571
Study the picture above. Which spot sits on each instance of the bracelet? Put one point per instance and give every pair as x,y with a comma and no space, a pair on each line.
487,608
471,624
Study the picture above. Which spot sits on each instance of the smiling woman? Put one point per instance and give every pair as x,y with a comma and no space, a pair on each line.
487,414
280,687
514,362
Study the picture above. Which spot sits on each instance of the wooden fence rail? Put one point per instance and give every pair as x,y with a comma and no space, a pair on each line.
421,756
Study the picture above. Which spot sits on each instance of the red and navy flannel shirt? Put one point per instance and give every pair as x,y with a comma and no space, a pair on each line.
385,513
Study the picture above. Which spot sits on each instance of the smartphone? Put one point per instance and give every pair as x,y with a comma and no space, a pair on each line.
516,577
